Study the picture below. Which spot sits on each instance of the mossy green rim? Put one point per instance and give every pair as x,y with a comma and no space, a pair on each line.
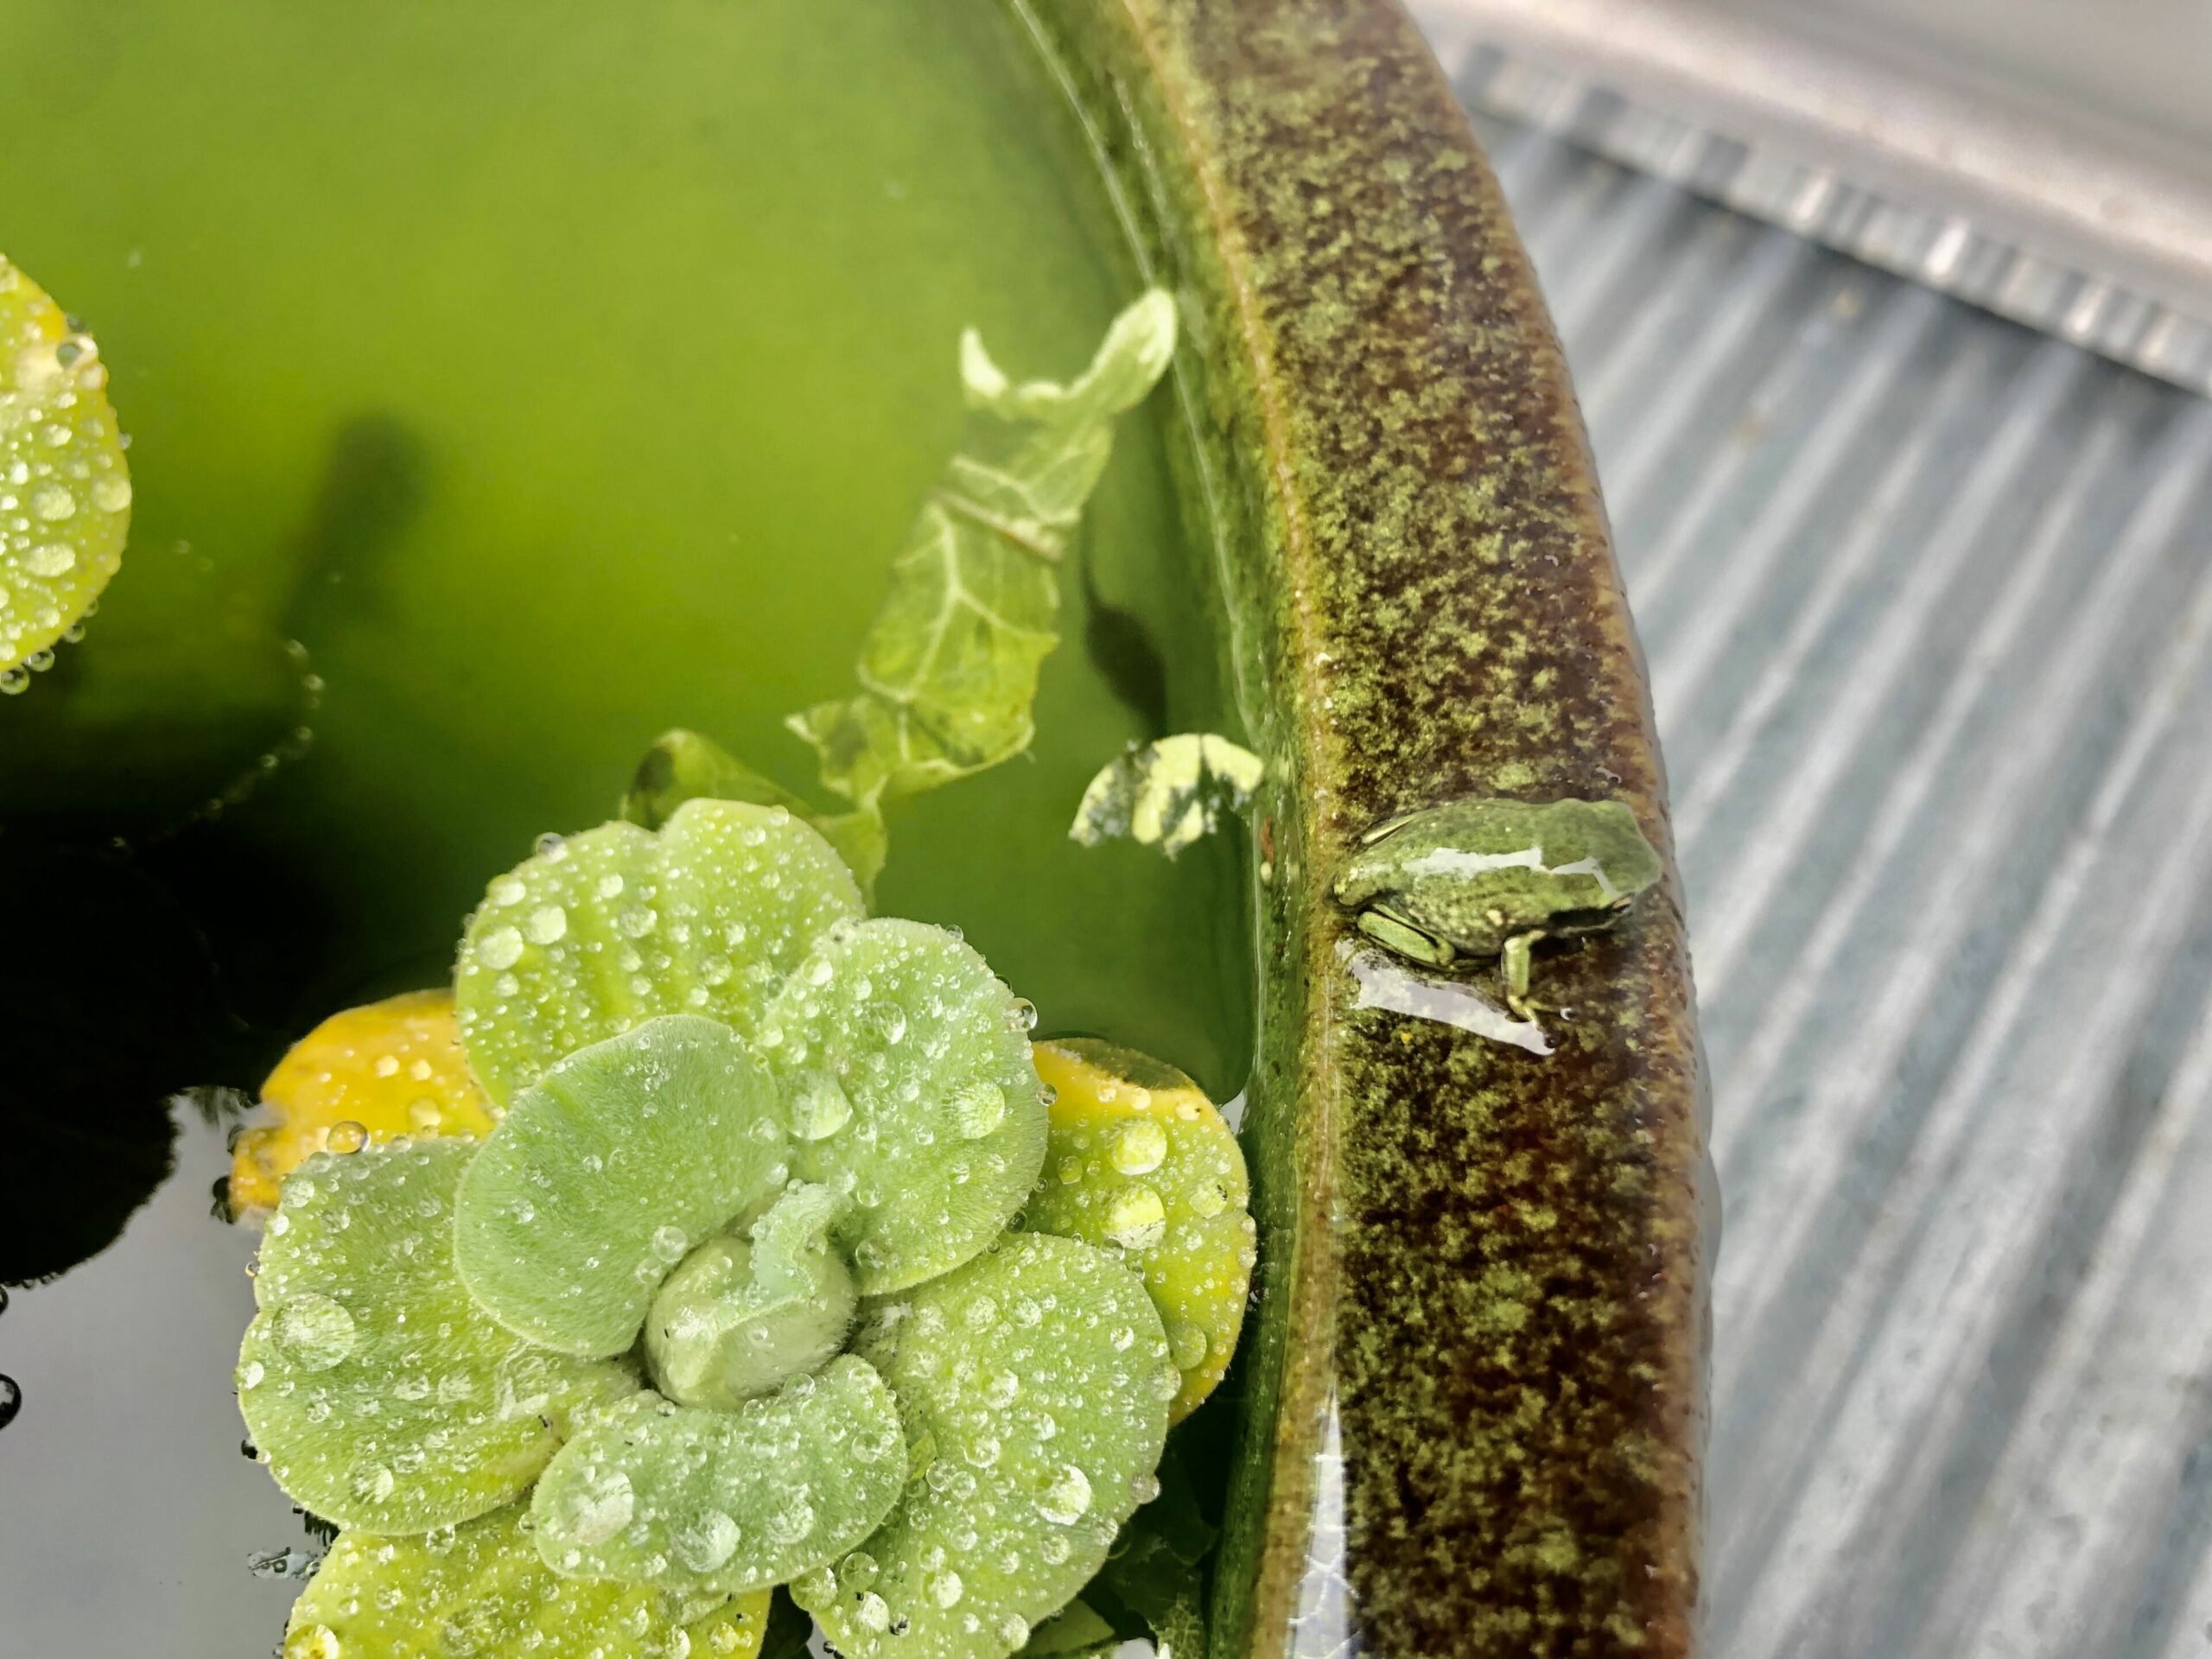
1493,1262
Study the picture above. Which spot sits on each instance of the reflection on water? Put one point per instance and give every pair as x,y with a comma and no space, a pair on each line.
125,1508
1386,983
1323,1627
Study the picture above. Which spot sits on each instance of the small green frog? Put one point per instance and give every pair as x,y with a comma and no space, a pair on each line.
1487,878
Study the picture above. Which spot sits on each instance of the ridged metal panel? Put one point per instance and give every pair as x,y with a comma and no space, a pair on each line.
1928,604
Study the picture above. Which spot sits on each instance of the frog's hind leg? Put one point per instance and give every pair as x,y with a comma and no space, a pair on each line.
1513,964
1395,933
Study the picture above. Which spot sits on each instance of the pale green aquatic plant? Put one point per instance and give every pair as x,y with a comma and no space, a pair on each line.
726,1299
65,489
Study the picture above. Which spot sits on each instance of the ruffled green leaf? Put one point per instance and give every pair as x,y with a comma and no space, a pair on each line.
1141,1162
606,1171
1135,353
738,1317
65,490
608,929
381,1394
1034,1384
905,1063
481,1591
683,765
949,668
726,1501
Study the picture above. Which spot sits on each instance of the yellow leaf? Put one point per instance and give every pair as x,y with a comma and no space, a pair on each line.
1140,1159
368,1076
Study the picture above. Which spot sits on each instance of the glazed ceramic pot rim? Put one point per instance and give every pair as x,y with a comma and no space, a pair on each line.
1472,1405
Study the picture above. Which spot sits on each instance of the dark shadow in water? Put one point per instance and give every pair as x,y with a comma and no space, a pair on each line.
114,1002
374,482
1120,647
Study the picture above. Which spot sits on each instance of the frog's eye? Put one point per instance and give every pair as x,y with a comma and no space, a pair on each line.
904,1064
613,927
1034,1384
727,1501
606,1171
481,1589
379,1392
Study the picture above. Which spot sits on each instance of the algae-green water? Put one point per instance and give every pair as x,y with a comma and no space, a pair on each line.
507,382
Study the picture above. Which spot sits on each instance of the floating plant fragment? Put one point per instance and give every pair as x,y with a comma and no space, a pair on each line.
905,1063
605,1173
684,766
1168,793
389,1069
726,1501
608,929
479,1591
380,1394
949,667
1033,1382
1140,1161
65,489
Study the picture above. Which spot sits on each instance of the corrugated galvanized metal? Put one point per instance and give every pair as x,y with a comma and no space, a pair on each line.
1928,603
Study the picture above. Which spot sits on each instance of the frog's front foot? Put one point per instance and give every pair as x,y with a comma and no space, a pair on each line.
1514,963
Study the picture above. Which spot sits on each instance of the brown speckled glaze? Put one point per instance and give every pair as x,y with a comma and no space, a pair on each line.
1490,1263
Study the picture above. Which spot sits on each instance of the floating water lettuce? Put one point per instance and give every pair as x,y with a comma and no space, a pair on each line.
1167,793
1140,1161
682,766
726,1297
65,490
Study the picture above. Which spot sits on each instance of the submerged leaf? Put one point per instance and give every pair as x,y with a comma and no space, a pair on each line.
1140,1161
1135,353
737,1318
390,1069
684,766
65,489
906,1065
1075,1632
1167,1594
1033,1382
606,1171
1168,793
724,1501
608,929
949,667
481,1591
381,1394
